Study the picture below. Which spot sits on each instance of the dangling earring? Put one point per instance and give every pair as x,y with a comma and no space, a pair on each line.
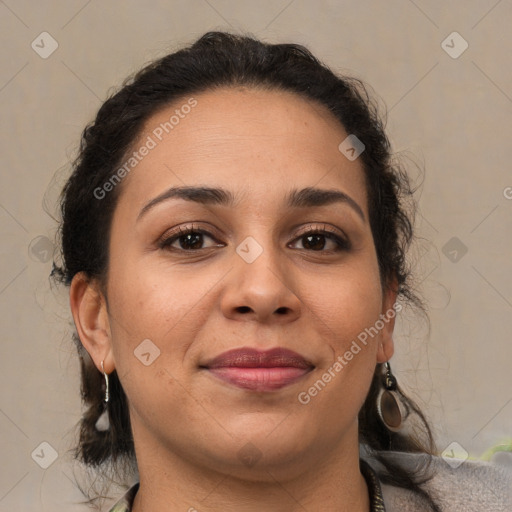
103,422
392,411
107,395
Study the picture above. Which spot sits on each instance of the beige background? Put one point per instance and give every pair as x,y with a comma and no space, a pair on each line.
452,116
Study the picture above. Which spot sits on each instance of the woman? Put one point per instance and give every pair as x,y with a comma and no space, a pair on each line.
234,237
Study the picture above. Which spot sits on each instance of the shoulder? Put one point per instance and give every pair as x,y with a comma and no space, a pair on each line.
461,486
126,502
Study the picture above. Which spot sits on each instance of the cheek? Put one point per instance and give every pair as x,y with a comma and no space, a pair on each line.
163,305
348,302
152,326
344,315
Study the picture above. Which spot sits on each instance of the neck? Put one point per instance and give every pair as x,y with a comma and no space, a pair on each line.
316,480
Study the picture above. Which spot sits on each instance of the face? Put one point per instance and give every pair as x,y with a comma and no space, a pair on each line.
193,278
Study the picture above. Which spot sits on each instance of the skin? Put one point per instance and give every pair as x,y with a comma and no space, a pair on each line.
188,426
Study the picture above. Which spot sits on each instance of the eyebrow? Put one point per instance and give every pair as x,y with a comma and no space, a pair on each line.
304,198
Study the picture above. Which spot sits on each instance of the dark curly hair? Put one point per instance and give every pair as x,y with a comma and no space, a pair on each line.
220,59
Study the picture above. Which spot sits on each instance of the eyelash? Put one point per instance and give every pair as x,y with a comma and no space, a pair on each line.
165,243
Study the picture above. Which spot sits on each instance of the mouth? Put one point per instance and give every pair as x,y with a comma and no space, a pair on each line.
255,370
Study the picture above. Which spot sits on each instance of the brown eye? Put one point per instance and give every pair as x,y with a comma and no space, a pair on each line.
189,239
315,240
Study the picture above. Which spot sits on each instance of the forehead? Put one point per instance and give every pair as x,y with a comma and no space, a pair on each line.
258,143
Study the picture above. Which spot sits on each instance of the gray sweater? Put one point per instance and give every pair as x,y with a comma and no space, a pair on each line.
471,487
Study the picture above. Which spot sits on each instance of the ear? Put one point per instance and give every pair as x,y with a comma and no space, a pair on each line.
386,347
89,309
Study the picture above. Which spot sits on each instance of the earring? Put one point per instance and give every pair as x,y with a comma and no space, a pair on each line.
392,411
103,422
107,396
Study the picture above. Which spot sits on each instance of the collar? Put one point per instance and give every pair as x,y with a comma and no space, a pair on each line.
374,488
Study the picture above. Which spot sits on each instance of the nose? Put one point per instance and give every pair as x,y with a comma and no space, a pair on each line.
261,289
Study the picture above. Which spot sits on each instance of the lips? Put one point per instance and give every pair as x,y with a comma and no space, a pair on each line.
259,370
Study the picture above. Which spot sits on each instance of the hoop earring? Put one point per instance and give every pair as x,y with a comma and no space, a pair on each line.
392,411
103,422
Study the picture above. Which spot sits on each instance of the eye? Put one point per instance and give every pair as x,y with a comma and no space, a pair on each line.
189,239
314,240
192,238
